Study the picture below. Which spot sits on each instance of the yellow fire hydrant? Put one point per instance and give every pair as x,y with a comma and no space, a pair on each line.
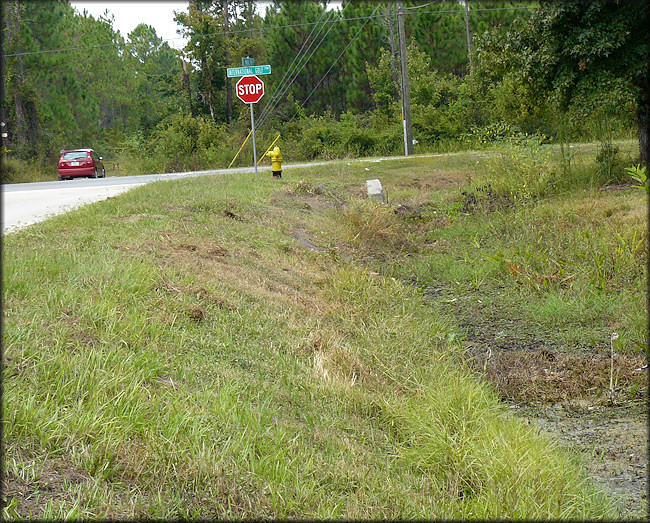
276,162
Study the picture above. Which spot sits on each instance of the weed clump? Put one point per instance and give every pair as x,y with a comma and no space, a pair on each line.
376,227
484,199
610,166
304,187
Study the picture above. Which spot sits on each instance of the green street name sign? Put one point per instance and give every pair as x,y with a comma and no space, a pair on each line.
248,71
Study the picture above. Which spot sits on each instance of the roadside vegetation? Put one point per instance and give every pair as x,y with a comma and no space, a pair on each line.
232,346
148,108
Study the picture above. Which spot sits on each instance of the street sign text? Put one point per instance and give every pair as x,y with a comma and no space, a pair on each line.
233,72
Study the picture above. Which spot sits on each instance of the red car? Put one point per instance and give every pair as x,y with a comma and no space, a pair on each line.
81,162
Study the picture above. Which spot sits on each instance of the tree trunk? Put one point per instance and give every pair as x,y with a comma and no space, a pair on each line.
210,105
251,10
206,72
186,85
3,124
643,115
226,23
19,106
469,39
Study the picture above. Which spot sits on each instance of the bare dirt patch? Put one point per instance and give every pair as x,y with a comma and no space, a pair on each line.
130,218
311,197
240,269
199,293
436,180
79,334
612,443
541,376
568,397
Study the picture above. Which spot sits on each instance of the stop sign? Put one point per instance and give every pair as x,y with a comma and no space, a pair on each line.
250,89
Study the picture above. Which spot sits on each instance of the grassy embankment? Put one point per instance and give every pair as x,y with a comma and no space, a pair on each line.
238,347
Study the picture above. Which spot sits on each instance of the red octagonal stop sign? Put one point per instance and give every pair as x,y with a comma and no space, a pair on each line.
250,89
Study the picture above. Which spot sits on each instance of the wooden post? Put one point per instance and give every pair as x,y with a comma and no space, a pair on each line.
406,97
469,40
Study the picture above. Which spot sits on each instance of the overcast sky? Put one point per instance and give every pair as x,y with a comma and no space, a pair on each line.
159,15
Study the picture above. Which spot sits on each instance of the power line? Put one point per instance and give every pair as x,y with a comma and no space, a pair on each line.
286,88
332,66
268,28
420,6
289,70
219,33
113,44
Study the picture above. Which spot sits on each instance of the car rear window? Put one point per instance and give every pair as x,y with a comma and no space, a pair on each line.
74,155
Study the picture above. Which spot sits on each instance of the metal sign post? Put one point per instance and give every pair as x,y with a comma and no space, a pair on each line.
253,131
250,89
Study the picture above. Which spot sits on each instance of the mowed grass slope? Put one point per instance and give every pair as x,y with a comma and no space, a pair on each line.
230,347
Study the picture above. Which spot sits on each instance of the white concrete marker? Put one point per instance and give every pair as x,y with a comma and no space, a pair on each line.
375,190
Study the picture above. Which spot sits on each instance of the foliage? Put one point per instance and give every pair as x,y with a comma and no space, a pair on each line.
155,66
202,25
576,51
440,29
25,171
609,164
594,35
302,55
638,174
366,40
184,143
87,96
384,88
500,133
324,137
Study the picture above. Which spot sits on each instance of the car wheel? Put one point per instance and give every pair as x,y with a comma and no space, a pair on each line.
95,173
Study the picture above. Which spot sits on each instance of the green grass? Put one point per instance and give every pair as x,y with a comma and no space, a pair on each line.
180,351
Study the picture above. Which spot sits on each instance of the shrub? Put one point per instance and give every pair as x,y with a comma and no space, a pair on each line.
360,143
610,165
182,142
501,133
431,124
24,171
318,141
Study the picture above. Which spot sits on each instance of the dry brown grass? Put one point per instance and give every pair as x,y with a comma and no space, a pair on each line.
543,376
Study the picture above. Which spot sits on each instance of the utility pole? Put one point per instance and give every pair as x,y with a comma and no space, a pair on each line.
3,123
469,40
406,97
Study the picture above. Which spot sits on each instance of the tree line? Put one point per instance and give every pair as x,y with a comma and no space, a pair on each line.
559,69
